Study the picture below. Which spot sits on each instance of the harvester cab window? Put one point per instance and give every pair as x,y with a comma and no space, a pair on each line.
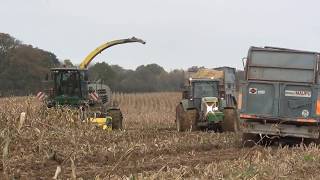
67,83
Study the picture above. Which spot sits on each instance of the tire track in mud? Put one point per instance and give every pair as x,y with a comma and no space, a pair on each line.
138,164
186,159
132,166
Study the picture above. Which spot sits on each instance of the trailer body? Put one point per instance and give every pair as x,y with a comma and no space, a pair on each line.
280,95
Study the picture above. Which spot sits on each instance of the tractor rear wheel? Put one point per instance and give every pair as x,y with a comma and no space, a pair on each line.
191,118
180,119
230,121
116,118
185,120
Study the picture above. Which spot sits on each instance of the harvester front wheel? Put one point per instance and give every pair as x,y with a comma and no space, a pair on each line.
230,121
116,118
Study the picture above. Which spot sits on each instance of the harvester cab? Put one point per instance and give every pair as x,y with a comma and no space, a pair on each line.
68,87
203,104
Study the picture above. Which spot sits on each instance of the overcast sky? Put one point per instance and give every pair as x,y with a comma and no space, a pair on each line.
179,33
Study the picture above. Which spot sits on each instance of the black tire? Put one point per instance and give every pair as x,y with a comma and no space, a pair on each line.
230,121
191,118
185,120
250,140
179,118
116,118
83,114
315,141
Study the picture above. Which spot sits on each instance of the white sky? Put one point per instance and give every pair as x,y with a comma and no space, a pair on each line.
179,33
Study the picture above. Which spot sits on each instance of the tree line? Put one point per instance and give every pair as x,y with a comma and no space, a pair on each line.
146,78
24,67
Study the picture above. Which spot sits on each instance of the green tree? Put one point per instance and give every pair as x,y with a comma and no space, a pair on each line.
22,67
104,72
68,63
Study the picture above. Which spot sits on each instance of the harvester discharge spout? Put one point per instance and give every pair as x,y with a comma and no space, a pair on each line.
85,63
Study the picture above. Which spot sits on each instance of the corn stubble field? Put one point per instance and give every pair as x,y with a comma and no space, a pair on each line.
54,144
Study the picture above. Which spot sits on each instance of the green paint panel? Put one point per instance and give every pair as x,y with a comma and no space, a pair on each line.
215,117
67,100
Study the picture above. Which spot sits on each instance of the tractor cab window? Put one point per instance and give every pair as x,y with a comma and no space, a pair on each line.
205,89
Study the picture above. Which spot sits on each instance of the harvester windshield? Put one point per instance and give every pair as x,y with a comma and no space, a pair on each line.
68,82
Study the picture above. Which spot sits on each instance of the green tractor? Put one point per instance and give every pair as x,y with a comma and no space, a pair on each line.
70,87
205,104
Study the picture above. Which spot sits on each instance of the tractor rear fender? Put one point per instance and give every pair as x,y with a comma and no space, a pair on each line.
185,104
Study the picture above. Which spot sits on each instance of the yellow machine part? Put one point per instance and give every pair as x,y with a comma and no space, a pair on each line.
207,74
84,64
104,123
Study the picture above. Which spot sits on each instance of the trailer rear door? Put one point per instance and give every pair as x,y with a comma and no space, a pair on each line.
262,98
296,101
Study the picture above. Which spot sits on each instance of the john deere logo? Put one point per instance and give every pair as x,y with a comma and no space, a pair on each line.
305,113
253,90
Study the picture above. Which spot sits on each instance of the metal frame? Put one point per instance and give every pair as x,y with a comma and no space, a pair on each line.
276,49
282,130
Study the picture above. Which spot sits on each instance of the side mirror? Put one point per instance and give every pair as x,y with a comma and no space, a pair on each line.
244,60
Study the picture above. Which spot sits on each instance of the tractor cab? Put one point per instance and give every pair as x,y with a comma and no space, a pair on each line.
205,98
68,86
203,90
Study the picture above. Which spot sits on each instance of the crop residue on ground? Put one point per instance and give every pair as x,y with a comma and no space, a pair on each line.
50,143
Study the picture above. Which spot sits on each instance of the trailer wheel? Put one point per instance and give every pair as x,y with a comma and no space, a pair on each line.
116,118
230,121
185,120
249,140
316,141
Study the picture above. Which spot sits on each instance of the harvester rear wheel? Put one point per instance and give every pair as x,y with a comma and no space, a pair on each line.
230,121
116,118
185,120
